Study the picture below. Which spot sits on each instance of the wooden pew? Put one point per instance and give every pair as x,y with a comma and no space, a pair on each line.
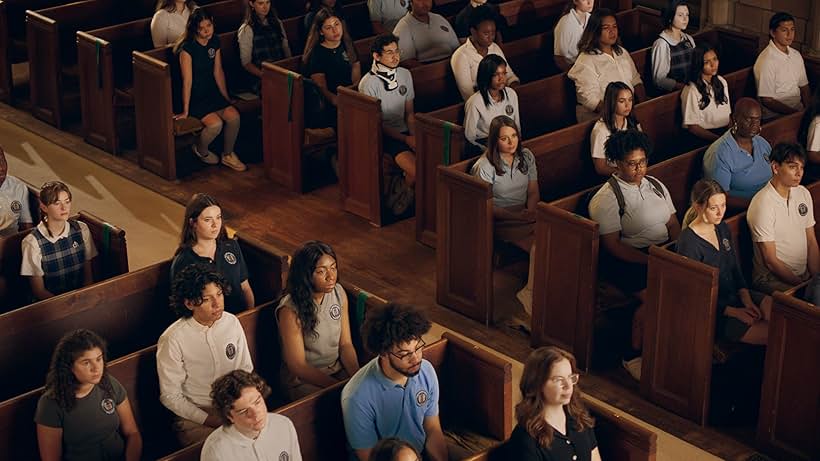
618,438
547,106
475,385
112,258
106,72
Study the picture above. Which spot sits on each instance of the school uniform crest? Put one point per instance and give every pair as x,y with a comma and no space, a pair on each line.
509,109
16,206
421,397
284,456
802,209
108,406
230,258
335,312
230,351
402,90
211,53
445,29
75,245
344,56
727,245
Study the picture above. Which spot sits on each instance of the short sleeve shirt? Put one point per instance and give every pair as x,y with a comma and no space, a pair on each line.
14,203
780,75
33,256
387,12
478,115
646,212
598,137
375,407
425,41
322,348
228,261
91,428
277,442
813,139
574,445
592,72
713,115
334,63
392,101
568,32
772,218
510,188
739,173
464,63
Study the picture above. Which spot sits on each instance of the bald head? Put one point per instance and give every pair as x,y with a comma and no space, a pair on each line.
744,105
746,117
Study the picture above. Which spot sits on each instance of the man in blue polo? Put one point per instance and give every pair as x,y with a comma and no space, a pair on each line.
395,394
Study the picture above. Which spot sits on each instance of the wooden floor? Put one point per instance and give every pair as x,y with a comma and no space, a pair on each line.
386,261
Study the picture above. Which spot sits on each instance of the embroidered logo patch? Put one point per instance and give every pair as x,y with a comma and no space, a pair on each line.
230,257
335,312
108,406
75,245
445,29
230,351
509,109
284,456
211,53
344,55
16,206
402,90
421,397
802,209
727,245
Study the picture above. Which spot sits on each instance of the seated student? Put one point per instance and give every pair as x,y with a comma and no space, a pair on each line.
602,60
634,211
248,430
204,342
705,98
809,130
742,315
568,31
57,254
510,169
424,36
169,21
479,44
314,324
385,14
204,91
780,73
393,449
672,52
739,160
491,99
553,422
393,87
84,413
781,221
462,21
14,207
616,116
261,38
203,240
316,5
396,394
329,61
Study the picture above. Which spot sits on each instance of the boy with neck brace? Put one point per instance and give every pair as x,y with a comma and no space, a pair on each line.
393,86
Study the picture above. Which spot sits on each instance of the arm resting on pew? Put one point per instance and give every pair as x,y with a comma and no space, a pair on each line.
805,96
768,250
247,294
130,431
813,251
563,63
186,70
776,105
347,352
612,243
701,132
293,350
435,446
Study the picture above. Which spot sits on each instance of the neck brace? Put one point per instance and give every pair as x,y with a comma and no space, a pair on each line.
386,74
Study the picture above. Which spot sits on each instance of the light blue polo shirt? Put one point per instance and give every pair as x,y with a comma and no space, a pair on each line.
375,407
740,174
510,188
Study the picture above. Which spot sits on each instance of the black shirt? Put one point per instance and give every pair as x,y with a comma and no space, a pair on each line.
334,63
572,446
228,261
205,95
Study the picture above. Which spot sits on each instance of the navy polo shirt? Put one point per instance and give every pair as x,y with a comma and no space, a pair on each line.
228,261
572,446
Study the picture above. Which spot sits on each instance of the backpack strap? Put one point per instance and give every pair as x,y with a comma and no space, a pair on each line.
657,185
619,195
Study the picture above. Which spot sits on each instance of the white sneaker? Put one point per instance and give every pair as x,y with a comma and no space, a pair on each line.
524,296
633,367
209,157
232,161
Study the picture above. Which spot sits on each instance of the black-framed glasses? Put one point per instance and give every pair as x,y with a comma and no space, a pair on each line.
564,381
403,356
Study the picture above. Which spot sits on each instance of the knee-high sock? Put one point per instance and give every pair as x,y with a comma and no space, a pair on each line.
207,135
230,135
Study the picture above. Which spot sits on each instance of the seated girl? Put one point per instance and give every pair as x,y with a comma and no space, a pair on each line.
261,38
491,99
204,91
203,240
316,5
84,413
672,51
568,31
705,98
742,315
616,116
510,169
57,254
553,422
314,326
169,21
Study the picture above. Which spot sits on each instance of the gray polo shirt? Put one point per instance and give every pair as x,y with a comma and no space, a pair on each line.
392,101
387,12
425,41
510,188
478,116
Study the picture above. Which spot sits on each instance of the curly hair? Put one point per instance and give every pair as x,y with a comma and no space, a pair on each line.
189,283
613,91
393,324
300,282
388,448
492,145
61,383
228,388
591,37
530,411
196,205
621,143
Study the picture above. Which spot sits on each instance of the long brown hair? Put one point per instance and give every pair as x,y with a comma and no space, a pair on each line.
170,5
196,205
591,37
61,383
315,37
492,145
530,411
197,16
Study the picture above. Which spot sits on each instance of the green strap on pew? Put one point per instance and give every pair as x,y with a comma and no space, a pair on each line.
99,68
361,301
447,129
290,96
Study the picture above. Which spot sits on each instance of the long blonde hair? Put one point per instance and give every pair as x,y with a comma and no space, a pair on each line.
702,191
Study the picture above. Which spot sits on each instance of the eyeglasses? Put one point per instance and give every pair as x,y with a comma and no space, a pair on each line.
403,356
565,381
635,164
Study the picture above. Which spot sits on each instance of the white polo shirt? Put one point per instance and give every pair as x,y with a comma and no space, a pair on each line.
14,203
646,212
568,32
33,256
712,116
392,101
597,139
478,116
167,26
593,72
191,356
465,66
387,12
772,218
276,442
813,138
780,75
425,41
